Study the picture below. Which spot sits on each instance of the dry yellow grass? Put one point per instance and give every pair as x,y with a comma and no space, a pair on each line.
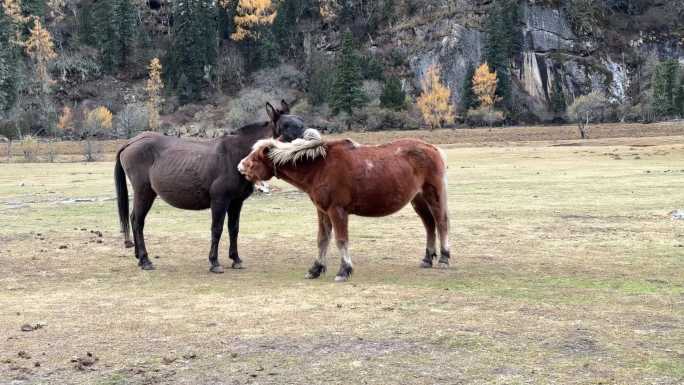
72,151
567,269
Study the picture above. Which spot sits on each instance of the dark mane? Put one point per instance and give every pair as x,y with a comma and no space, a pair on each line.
251,128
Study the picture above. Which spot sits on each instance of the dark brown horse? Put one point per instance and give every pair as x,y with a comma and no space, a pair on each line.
342,178
193,175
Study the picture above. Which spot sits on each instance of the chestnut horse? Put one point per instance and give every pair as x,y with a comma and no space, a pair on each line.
342,178
193,175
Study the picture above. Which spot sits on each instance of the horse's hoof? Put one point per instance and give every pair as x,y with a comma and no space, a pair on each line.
129,244
147,266
342,278
425,265
237,265
310,276
218,269
443,265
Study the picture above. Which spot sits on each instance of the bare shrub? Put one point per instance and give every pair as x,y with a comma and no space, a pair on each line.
133,118
302,108
372,89
278,78
248,107
230,70
76,67
484,116
587,108
97,122
29,147
378,118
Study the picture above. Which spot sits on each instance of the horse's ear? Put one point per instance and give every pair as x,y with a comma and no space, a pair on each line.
272,112
284,107
264,151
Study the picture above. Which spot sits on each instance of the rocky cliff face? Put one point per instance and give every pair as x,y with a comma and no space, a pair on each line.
553,53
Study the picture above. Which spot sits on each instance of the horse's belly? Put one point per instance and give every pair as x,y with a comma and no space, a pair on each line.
180,190
380,203
187,199
382,189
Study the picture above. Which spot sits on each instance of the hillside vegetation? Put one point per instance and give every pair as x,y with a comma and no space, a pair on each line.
203,67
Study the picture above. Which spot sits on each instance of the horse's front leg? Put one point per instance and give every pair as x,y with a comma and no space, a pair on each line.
218,216
234,209
339,219
324,232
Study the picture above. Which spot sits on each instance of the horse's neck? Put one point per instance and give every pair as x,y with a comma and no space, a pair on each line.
300,176
255,133
243,140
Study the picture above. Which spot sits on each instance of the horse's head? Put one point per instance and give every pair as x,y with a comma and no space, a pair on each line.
269,154
286,127
257,166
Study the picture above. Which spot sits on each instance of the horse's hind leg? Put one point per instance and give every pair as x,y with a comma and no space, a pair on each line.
436,197
324,232
142,202
234,209
422,208
339,219
218,216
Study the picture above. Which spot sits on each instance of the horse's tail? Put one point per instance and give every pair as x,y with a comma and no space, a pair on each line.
445,183
443,155
122,197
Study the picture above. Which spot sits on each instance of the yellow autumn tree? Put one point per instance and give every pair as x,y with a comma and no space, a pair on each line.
66,119
251,14
328,9
40,48
98,120
434,102
484,86
12,9
153,88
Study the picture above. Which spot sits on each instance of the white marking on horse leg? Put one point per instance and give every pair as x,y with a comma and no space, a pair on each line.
344,252
346,262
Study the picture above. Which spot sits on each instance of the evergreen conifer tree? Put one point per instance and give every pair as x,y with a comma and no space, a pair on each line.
125,28
33,7
665,86
503,42
9,56
679,99
193,50
285,26
393,96
347,93
558,103
468,98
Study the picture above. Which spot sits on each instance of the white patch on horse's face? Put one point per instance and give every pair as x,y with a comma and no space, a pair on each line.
369,165
252,167
398,151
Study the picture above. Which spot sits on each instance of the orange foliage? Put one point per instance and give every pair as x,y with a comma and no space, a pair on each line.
484,86
252,13
66,119
434,103
153,87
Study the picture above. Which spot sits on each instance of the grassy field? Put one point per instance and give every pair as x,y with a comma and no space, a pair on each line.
70,151
567,269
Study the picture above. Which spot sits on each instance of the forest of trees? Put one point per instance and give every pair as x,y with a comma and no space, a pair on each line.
194,50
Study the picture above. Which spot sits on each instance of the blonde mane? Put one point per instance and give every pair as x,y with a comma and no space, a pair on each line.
310,147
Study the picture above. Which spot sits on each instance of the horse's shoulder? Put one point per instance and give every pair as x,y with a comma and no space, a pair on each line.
346,144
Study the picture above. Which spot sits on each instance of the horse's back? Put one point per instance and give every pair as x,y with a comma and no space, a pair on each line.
180,171
380,179
415,151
